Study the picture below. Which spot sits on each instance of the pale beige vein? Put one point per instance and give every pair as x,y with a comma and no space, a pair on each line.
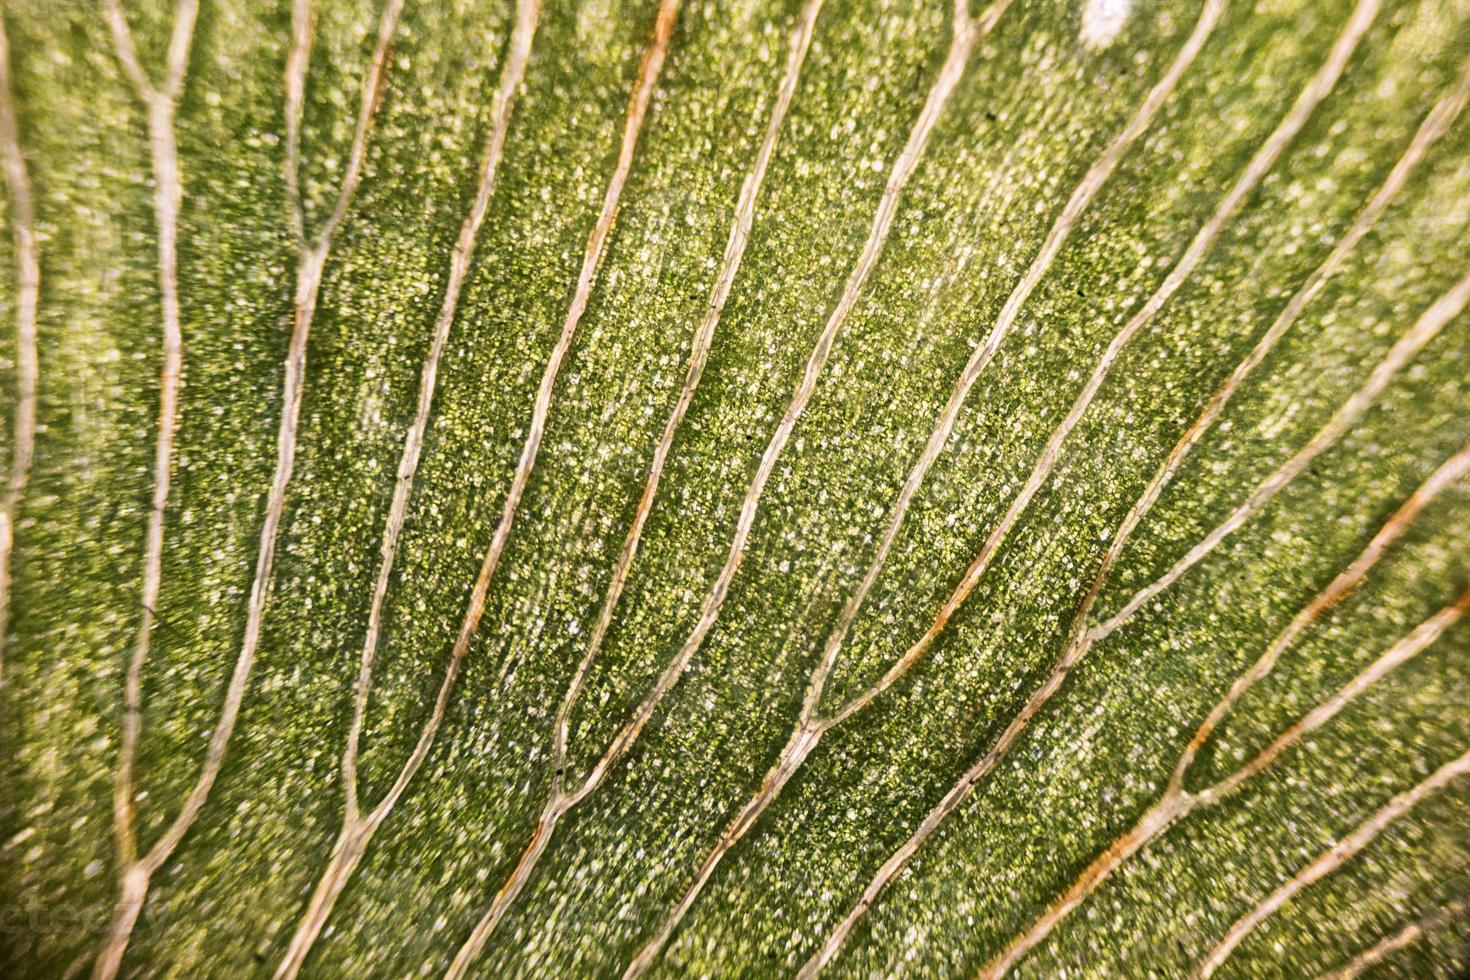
27,301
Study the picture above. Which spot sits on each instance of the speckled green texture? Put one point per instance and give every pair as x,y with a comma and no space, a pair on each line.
1034,108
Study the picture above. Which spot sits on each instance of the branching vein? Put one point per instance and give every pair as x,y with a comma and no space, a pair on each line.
1176,800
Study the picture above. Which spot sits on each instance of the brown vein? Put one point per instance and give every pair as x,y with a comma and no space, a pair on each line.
1080,642
27,299
559,802
1452,470
734,251
1333,858
167,193
1348,579
1176,801
1435,125
356,830
808,729
1097,175
1260,164
962,790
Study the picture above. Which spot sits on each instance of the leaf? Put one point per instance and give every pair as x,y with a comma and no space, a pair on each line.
542,488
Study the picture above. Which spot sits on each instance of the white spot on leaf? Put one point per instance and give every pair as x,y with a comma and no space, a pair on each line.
1103,20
